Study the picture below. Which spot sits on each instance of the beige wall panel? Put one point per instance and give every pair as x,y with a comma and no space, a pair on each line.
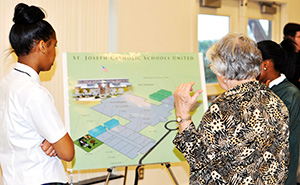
156,26
293,11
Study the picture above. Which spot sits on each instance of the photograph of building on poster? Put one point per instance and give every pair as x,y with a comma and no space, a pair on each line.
93,89
118,105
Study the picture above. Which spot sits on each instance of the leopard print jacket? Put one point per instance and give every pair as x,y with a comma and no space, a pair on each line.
242,139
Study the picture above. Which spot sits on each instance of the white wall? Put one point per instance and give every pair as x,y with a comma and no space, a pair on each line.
135,26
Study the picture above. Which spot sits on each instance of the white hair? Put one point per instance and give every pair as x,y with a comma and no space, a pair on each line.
235,57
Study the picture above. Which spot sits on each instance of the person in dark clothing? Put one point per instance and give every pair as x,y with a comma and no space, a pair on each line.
291,44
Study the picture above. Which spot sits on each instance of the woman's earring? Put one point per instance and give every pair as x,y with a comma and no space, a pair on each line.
265,69
225,81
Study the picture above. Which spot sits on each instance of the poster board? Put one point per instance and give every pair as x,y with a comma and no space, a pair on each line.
117,105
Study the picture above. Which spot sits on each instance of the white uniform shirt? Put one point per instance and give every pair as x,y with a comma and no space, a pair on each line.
27,117
277,80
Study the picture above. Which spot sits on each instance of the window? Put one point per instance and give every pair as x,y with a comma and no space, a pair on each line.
211,28
259,29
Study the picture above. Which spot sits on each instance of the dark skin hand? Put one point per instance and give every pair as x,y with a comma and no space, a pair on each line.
48,148
64,148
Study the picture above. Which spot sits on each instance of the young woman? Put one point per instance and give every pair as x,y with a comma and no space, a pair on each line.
33,139
273,60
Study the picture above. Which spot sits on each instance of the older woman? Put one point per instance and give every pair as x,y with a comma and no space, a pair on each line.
243,136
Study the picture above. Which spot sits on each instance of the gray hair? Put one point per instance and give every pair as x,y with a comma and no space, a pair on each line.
235,57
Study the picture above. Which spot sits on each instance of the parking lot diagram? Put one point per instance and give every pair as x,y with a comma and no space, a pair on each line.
116,126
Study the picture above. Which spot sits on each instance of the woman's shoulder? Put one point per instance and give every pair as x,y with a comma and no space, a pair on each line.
245,95
30,89
244,92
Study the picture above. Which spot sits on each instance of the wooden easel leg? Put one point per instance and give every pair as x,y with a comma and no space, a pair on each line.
125,175
171,172
109,170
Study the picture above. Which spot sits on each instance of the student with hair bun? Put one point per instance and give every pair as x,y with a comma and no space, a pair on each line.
33,139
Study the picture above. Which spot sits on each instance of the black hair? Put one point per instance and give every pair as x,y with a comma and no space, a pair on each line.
289,47
29,29
272,51
290,30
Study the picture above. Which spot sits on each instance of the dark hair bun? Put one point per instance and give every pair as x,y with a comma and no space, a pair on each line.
25,14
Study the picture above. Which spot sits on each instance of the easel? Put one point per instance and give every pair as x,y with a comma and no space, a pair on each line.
137,175
99,179
110,176
166,164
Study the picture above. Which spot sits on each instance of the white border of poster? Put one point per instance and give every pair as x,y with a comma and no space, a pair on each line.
101,124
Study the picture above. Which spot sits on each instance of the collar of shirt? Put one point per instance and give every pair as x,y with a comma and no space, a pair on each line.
277,80
29,70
